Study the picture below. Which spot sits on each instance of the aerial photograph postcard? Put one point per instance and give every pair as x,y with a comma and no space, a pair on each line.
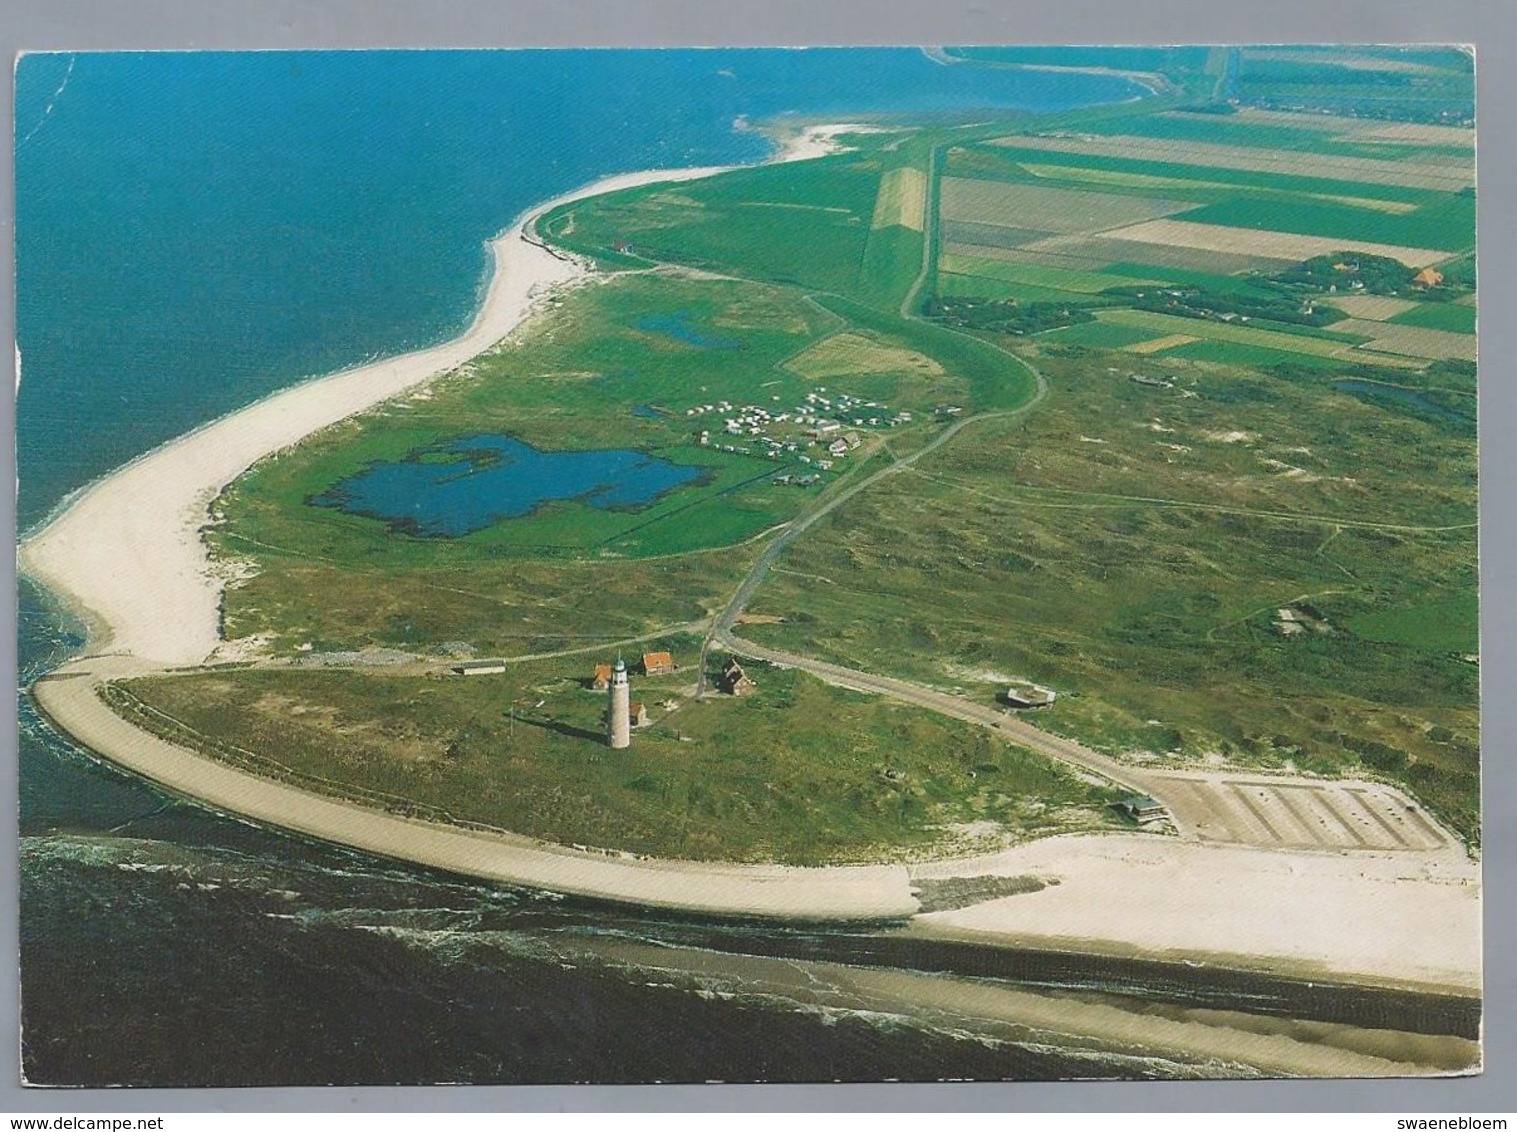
748,565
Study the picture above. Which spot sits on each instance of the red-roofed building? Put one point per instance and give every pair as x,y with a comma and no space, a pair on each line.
657,663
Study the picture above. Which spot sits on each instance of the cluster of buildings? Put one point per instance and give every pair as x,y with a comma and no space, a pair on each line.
819,421
624,714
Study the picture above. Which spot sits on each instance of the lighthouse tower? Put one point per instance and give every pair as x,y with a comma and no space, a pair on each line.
618,718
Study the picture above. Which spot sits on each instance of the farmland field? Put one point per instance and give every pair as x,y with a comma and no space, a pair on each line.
952,284
1011,271
1444,176
1413,341
1288,246
1376,307
1045,208
902,199
1107,335
1448,225
1156,253
853,353
1161,324
1155,345
1453,317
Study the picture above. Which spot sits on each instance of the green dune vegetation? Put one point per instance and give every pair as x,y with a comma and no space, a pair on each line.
1218,500
798,771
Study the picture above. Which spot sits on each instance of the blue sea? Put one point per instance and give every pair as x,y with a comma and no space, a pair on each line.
197,230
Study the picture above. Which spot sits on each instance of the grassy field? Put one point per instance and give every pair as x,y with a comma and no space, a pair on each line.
1254,356
1130,547
798,772
1105,335
1438,316
1033,275
1047,208
1448,225
806,224
1453,624
1229,332
1010,157
951,284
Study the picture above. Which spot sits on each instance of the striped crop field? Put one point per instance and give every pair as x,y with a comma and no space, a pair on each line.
1106,249
1247,241
902,199
1443,176
1168,342
1057,278
1412,341
1046,208
1163,325
1379,308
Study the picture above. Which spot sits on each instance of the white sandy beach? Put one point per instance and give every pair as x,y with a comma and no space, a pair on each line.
127,555
1392,917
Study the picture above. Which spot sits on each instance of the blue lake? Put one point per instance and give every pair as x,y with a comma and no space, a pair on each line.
456,489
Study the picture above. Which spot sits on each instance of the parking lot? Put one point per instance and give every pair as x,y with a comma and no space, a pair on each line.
1297,814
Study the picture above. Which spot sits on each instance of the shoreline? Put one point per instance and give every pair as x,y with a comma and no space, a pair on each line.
1357,918
125,555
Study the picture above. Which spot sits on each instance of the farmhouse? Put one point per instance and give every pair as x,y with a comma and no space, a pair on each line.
657,663
479,668
1427,277
734,681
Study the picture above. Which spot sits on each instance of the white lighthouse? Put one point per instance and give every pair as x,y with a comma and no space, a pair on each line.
618,717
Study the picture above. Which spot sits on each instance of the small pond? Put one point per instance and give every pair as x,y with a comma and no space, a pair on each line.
678,326
1371,390
455,489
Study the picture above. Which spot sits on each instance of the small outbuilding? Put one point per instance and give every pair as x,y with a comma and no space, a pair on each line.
601,680
1142,809
657,663
1029,696
479,668
637,714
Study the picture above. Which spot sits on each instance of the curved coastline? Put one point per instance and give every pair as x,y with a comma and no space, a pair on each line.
126,555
